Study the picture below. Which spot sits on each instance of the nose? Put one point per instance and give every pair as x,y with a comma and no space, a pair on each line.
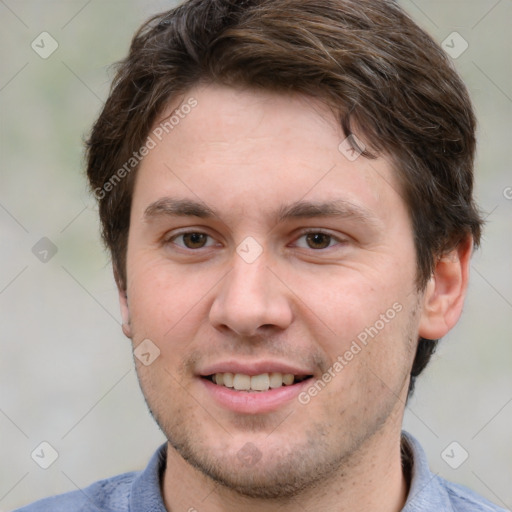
251,300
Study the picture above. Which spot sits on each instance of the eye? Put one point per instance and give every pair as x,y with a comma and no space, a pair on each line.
192,240
317,240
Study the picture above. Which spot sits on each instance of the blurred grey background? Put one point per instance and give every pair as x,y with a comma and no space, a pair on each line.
65,367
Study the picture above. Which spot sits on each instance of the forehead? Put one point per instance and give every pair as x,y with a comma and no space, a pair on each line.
250,151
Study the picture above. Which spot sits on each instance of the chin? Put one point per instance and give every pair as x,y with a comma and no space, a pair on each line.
259,470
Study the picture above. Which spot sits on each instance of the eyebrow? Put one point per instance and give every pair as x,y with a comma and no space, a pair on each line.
169,206
341,208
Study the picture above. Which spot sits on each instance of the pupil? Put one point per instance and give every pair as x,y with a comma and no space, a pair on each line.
318,240
194,239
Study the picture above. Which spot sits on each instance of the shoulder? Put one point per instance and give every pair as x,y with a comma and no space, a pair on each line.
430,492
110,494
466,500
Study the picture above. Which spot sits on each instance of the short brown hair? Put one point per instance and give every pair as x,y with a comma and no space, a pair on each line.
377,70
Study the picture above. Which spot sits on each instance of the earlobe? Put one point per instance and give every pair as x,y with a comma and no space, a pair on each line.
125,313
444,294
123,304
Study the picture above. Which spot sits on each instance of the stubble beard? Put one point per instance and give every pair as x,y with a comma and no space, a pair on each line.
320,458
308,465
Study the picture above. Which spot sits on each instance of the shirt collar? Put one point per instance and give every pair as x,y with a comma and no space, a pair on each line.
426,492
146,493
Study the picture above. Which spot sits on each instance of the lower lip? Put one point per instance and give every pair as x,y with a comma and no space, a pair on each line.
255,402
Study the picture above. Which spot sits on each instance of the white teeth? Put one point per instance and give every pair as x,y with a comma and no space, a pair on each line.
276,380
227,379
261,382
242,382
288,379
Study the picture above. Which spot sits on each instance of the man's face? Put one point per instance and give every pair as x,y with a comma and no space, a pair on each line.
257,248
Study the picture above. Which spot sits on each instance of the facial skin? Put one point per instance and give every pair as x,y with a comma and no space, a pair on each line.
248,156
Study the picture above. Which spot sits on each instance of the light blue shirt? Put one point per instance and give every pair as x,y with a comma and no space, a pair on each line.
140,491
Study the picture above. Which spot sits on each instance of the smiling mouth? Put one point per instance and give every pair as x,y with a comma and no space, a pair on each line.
261,382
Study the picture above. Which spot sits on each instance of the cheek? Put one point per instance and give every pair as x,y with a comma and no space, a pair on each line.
369,369
167,303
369,334
343,302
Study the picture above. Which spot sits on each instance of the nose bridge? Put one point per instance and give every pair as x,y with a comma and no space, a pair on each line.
250,297
250,280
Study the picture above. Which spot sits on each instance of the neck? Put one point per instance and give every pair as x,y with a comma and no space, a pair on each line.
375,481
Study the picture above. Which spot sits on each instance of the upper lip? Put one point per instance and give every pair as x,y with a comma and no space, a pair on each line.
252,368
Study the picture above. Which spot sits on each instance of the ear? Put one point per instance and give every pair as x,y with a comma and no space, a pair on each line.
445,292
123,304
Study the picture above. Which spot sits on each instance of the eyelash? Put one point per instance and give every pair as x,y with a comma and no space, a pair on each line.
302,234
325,233
171,239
